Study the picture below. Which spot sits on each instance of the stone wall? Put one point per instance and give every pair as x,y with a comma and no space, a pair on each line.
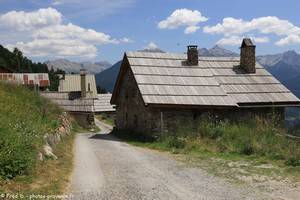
85,120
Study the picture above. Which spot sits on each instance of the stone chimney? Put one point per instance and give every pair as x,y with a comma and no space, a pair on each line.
83,82
192,54
247,59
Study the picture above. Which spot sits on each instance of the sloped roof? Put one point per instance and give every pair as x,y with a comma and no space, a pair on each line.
102,103
76,105
165,78
71,83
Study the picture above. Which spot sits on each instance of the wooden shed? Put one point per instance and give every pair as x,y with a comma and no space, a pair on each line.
154,91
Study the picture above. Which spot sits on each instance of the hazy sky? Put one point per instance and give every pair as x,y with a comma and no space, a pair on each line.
93,30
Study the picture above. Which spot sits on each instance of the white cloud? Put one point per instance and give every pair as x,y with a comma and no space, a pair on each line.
45,35
191,29
126,40
71,31
25,21
291,39
264,25
236,40
183,18
57,47
151,46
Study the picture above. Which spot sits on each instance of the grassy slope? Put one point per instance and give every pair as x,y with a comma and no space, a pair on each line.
24,119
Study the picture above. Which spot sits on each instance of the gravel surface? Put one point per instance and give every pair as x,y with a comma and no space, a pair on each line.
106,168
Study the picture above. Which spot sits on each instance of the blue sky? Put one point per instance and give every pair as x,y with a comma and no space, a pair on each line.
93,30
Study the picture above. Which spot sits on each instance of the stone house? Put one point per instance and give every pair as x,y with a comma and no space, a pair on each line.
154,91
77,95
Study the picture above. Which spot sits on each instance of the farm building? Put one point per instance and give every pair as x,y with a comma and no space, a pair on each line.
37,80
75,97
102,104
78,95
154,91
72,83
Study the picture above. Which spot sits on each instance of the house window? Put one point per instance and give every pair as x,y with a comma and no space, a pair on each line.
89,87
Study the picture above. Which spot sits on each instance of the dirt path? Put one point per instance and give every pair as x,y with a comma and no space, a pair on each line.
106,168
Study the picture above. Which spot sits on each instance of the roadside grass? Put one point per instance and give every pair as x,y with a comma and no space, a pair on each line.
244,151
25,117
50,177
105,118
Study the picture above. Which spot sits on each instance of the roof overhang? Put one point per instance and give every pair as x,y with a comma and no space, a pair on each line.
269,104
190,107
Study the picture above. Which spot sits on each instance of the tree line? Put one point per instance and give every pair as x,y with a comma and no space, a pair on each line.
18,63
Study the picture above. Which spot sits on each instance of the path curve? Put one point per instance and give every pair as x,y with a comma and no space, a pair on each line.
106,168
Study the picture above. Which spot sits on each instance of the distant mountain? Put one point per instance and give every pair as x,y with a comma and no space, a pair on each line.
107,78
216,51
152,50
74,67
285,67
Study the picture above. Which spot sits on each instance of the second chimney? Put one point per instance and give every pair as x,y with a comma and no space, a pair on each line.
247,59
83,82
192,54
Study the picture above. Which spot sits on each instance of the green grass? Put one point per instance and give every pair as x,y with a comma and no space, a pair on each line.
105,118
25,117
214,145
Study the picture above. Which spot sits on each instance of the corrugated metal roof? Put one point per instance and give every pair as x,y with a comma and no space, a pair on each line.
165,78
71,83
102,103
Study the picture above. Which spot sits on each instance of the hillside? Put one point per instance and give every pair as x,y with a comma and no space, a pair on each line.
285,67
74,67
16,62
108,77
25,117
27,123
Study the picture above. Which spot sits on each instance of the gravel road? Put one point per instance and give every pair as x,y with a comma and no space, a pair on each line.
106,168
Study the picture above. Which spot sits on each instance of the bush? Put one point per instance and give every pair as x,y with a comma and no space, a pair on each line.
174,142
294,162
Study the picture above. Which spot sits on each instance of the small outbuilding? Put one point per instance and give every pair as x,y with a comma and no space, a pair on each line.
76,95
154,91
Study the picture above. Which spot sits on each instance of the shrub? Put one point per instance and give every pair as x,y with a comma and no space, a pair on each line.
174,142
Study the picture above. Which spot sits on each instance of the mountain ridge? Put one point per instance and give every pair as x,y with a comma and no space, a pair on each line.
74,67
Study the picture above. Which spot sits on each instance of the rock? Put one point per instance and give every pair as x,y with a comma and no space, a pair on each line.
40,157
62,130
53,139
48,152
